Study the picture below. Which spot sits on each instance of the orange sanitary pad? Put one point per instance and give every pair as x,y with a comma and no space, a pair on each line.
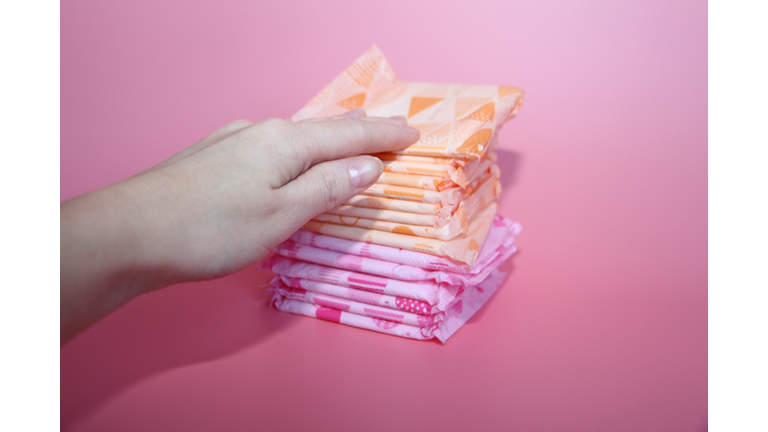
456,121
463,248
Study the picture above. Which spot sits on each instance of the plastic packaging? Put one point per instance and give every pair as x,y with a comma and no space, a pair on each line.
458,121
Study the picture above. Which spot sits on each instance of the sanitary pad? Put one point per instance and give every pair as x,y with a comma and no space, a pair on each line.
417,253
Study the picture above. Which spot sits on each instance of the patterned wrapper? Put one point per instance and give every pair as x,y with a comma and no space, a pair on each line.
391,302
361,257
455,316
451,161
448,198
334,315
415,181
410,258
456,227
458,121
358,308
412,255
398,205
406,257
486,193
427,291
388,215
431,176
464,248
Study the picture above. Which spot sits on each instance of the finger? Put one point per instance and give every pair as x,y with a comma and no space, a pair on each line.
329,184
355,113
316,142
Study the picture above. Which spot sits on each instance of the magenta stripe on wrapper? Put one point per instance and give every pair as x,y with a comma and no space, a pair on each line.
281,290
361,296
421,290
378,325
456,315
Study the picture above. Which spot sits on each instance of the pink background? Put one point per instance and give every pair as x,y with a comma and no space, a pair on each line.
602,325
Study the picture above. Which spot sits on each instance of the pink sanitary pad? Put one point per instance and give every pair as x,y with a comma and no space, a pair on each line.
459,313
401,264
385,289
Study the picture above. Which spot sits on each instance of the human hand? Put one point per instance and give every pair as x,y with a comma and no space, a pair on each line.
216,207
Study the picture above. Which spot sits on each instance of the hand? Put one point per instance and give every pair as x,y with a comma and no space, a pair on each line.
214,208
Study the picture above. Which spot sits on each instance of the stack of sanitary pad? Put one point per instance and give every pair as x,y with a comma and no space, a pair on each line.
417,253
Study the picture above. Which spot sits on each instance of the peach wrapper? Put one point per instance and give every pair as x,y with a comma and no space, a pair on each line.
454,162
418,168
447,200
455,120
456,316
395,205
455,228
386,215
433,176
414,181
467,209
464,248
450,161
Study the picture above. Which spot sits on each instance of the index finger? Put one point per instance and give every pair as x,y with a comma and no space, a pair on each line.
339,138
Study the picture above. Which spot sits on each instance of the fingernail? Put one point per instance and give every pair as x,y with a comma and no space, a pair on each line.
365,171
355,113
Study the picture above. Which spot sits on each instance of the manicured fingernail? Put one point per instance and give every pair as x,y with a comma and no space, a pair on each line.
355,113
365,171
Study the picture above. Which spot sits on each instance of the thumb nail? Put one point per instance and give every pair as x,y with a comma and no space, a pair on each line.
365,171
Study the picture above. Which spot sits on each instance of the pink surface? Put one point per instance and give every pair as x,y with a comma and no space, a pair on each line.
602,324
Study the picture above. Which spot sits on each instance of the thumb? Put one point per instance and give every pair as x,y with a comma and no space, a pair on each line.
330,184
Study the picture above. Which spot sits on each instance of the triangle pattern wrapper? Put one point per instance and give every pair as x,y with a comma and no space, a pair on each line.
416,254
456,121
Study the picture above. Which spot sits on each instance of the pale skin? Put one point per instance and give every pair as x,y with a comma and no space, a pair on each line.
213,208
